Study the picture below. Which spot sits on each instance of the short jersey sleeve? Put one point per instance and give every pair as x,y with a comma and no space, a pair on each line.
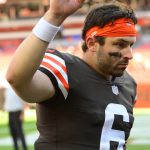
54,66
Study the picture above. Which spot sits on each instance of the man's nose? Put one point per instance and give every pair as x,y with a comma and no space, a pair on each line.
127,54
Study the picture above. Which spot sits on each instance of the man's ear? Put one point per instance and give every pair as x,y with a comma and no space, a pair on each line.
91,44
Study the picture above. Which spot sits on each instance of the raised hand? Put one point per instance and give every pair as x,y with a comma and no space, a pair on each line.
60,9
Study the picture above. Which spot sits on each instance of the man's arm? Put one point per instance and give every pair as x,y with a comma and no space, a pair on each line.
22,74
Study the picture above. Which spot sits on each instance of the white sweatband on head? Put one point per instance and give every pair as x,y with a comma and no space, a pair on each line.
45,31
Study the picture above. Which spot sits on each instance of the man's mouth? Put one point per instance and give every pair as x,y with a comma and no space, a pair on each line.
123,65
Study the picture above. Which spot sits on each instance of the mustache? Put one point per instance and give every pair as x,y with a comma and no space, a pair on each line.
119,55
123,62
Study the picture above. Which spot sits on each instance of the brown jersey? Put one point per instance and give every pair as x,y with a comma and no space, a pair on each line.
87,112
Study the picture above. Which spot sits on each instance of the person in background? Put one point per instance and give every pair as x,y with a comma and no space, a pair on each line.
14,105
82,103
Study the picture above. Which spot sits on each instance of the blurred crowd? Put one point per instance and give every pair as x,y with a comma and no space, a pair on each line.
23,9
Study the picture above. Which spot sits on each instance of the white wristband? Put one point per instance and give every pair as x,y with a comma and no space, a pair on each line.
45,31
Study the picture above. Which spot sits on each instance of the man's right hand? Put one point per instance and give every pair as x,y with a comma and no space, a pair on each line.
59,10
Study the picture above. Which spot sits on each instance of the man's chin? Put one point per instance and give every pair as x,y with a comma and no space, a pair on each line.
118,74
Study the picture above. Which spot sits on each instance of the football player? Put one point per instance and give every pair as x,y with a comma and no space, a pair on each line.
82,103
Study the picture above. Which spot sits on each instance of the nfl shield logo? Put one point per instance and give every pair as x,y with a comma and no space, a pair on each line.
115,90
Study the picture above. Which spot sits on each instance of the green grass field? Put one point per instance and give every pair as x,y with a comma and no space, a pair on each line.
10,148
138,147
29,124
30,127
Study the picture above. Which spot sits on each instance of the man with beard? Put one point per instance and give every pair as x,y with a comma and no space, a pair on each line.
82,104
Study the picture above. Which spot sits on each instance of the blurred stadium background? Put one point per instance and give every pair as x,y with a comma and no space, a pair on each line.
17,18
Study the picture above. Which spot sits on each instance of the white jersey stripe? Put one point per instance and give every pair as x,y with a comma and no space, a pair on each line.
57,67
60,84
56,58
64,74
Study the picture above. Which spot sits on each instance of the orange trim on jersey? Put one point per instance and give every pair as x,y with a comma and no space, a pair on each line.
119,28
57,73
56,62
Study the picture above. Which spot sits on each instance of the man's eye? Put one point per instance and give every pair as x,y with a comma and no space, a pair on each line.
121,44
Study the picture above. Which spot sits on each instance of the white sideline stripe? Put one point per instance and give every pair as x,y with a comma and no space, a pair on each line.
30,139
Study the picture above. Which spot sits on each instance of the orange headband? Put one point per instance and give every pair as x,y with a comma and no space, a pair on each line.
119,28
